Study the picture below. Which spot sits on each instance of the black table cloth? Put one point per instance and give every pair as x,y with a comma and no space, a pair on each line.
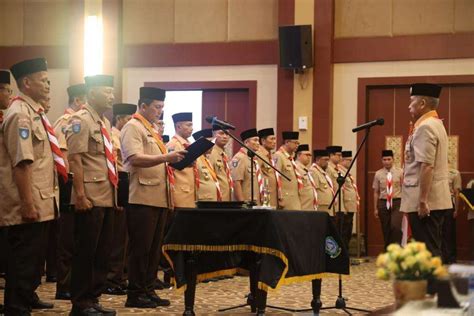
293,246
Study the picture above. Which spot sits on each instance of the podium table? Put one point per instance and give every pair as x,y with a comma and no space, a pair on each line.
277,247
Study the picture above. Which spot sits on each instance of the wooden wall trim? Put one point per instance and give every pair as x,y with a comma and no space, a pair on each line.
57,56
363,85
323,72
413,47
250,85
286,16
201,54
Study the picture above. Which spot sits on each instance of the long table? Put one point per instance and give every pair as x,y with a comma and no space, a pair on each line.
279,247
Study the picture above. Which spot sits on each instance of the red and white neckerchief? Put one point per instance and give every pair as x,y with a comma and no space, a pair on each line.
389,188
299,178
315,192
195,169
58,156
326,176
213,176
227,171
277,176
1,116
109,155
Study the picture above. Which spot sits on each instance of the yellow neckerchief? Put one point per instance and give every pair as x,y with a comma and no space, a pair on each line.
209,167
150,130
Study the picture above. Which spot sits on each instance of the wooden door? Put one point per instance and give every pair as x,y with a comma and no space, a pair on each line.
391,102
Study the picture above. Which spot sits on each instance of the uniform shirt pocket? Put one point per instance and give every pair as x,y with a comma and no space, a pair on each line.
96,143
410,182
94,176
39,138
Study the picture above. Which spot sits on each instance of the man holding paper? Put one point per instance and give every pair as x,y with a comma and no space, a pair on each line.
145,157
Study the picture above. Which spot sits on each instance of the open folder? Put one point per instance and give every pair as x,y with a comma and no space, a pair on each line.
195,150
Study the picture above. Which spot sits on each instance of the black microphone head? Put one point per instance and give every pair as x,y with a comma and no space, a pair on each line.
210,119
380,121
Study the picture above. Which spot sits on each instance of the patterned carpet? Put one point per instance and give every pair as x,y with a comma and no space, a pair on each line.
362,290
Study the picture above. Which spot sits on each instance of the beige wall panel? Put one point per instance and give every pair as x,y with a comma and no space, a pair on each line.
423,16
253,20
11,22
200,21
359,18
464,16
46,22
148,21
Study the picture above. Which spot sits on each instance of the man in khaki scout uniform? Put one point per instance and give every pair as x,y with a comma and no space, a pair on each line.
449,225
425,190
209,189
387,199
221,163
323,182
241,169
93,164
77,99
267,146
29,186
284,161
184,192
116,282
145,157
308,195
5,97
350,197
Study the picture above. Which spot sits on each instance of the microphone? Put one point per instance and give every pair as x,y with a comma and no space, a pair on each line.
213,120
367,125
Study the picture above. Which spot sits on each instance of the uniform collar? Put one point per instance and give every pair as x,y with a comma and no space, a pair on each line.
426,116
93,112
34,105
181,139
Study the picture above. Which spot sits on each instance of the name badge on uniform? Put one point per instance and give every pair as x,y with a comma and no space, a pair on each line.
76,126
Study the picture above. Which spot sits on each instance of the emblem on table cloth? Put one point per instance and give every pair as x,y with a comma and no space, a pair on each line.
332,247
395,143
453,147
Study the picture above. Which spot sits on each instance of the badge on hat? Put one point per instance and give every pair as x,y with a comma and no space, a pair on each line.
76,126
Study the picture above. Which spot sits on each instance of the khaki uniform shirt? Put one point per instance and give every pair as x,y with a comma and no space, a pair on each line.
270,176
380,182
207,190
60,127
240,169
290,199
148,186
306,194
455,182
323,187
217,161
350,194
24,138
427,144
184,193
116,143
85,138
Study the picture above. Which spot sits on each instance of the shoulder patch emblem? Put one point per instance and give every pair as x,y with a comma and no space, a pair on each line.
76,126
235,163
24,132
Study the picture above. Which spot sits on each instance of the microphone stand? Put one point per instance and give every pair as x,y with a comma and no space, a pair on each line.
341,301
255,266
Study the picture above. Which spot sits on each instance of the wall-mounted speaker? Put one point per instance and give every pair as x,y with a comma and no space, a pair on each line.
296,47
